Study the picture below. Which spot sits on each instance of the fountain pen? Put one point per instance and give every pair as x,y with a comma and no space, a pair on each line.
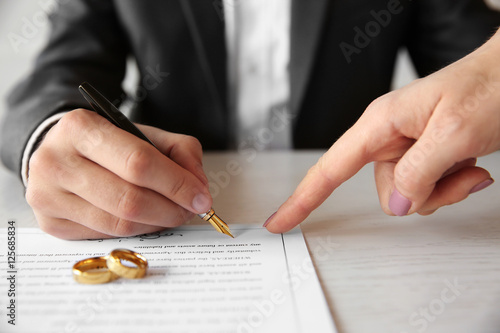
107,110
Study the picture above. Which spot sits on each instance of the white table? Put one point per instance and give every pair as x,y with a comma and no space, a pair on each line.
439,273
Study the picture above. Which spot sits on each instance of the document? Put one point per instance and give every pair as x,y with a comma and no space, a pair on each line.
198,280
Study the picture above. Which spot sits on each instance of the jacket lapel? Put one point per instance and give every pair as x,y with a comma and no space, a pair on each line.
206,25
307,20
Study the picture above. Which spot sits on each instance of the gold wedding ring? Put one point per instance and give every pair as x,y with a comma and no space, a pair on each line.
115,264
99,270
93,271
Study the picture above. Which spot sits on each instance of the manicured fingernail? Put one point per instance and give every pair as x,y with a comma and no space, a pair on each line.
398,204
481,186
201,203
269,220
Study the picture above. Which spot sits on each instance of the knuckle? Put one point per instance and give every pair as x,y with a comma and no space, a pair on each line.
36,197
177,187
186,143
74,120
320,165
192,142
379,103
137,164
52,227
408,173
130,206
406,179
44,164
302,205
382,103
181,216
79,126
47,226
448,126
39,161
322,169
122,228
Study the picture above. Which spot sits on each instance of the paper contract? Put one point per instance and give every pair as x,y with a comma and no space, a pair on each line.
197,281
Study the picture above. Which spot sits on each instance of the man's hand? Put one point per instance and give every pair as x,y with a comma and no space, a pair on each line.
423,138
90,179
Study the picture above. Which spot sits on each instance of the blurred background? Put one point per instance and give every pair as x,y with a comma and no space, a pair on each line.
24,29
16,57
16,63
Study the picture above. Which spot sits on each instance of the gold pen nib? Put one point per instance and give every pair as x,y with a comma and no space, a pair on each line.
217,222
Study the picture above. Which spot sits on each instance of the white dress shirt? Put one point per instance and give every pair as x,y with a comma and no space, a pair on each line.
258,44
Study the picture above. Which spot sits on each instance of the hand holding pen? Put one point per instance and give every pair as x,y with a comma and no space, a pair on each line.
90,179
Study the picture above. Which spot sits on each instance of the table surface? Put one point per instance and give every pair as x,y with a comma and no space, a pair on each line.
439,273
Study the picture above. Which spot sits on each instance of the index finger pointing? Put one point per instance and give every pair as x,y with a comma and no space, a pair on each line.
343,160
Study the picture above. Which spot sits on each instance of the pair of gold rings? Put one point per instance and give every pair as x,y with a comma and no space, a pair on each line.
98,270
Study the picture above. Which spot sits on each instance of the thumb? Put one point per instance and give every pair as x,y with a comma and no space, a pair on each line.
440,147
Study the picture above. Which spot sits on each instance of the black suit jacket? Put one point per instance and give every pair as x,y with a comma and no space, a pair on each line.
342,57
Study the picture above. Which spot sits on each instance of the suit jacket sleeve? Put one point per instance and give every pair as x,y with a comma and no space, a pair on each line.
446,30
86,43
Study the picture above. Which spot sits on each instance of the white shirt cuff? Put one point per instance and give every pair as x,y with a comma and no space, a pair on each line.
28,150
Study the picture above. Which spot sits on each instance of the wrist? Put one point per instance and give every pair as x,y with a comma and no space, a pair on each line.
34,141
